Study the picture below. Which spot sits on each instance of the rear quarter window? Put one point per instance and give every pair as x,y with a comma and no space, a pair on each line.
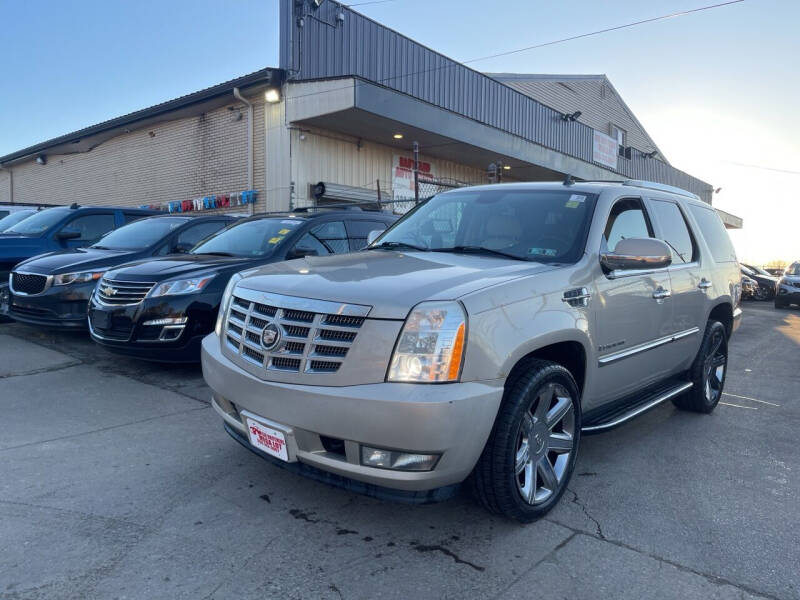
714,232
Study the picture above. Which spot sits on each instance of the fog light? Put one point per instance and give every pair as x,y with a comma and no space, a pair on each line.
399,461
167,321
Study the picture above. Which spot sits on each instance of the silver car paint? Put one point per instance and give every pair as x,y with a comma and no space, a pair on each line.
629,338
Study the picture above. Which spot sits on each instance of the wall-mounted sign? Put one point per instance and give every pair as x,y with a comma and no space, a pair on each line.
403,175
605,150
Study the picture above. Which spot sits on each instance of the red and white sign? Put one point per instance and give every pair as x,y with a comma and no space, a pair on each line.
403,175
267,439
605,150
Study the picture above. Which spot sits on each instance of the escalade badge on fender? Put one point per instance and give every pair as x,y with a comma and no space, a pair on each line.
270,336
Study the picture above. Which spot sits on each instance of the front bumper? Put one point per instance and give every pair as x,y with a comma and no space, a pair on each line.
58,307
124,332
788,294
453,420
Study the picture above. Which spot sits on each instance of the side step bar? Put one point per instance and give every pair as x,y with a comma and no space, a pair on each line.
638,409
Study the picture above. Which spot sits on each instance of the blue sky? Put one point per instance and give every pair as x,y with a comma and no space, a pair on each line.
712,88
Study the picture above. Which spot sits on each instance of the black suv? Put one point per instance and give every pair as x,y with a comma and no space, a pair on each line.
53,289
161,309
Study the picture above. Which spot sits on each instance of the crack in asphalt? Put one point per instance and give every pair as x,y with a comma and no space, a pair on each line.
577,501
102,429
447,552
75,363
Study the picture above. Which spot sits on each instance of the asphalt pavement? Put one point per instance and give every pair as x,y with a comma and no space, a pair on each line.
118,481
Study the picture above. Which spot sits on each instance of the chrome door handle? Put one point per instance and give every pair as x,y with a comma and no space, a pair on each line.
660,293
704,284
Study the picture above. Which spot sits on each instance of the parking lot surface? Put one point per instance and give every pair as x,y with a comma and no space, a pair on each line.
118,481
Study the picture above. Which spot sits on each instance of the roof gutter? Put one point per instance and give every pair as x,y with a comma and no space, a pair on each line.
249,105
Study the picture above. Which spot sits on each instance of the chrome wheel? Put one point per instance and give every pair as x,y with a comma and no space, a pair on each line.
716,362
545,444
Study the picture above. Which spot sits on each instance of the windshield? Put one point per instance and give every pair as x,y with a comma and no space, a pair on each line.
762,272
249,239
793,270
14,218
40,222
747,270
140,234
538,225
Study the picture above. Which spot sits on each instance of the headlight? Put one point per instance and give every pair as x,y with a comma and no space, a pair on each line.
431,345
181,286
84,277
223,304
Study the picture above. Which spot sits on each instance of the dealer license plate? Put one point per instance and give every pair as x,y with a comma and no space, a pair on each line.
266,438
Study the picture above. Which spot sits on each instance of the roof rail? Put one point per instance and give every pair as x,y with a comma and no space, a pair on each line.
652,185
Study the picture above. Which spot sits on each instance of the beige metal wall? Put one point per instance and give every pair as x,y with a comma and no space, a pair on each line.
173,160
319,155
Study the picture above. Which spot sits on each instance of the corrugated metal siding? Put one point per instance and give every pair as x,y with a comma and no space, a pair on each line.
363,48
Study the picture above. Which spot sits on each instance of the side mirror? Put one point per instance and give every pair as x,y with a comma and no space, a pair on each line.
301,253
637,253
373,235
68,234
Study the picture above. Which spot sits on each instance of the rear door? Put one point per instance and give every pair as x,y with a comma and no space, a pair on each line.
632,312
688,285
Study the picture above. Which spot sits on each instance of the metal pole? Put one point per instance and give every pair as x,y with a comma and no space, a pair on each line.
416,172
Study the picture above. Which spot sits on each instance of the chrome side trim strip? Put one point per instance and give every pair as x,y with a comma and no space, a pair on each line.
298,303
636,411
610,358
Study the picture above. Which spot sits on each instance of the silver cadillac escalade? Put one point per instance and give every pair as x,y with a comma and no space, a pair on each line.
478,338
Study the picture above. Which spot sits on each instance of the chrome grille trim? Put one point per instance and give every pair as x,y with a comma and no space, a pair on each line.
127,293
312,341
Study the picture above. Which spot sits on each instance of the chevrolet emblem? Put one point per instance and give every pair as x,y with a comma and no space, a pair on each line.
108,290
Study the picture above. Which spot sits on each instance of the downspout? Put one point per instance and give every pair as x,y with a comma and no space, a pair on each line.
249,104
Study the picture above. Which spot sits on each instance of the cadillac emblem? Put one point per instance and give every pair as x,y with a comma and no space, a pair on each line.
270,337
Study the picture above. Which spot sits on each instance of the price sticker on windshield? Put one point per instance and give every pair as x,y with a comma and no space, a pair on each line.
575,200
275,239
283,231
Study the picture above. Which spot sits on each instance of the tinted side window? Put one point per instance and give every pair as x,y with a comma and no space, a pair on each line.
627,220
4,213
91,227
674,231
193,234
359,230
131,217
310,242
714,232
333,236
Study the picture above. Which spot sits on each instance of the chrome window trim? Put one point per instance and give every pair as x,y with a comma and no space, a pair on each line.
47,284
628,352
621,274
300,303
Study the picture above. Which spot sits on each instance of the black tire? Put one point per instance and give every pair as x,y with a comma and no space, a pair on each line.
708,372
497,481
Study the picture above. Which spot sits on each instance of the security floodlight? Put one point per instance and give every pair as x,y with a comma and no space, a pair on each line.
571,116
41,159
649,154
316,3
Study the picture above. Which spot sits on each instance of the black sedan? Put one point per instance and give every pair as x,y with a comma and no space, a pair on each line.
767,284
161,309
53,290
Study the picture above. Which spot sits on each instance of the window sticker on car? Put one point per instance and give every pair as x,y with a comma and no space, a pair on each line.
575,200
275,239
283,231
543,251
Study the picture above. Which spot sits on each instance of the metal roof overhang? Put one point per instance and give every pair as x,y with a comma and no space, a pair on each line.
190,105
364,110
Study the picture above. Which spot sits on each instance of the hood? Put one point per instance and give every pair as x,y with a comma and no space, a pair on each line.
791,278
19,246
73,261
180,265
390,282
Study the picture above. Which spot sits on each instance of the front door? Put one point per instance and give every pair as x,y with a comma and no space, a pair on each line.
633,313
689,288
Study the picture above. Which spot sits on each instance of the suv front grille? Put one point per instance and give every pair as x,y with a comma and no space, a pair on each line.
120,293
310,342
28,283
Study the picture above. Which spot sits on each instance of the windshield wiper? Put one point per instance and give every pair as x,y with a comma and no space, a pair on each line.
398,245
478,250
215,253
101,247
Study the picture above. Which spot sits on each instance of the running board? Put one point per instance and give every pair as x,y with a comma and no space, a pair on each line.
646,404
